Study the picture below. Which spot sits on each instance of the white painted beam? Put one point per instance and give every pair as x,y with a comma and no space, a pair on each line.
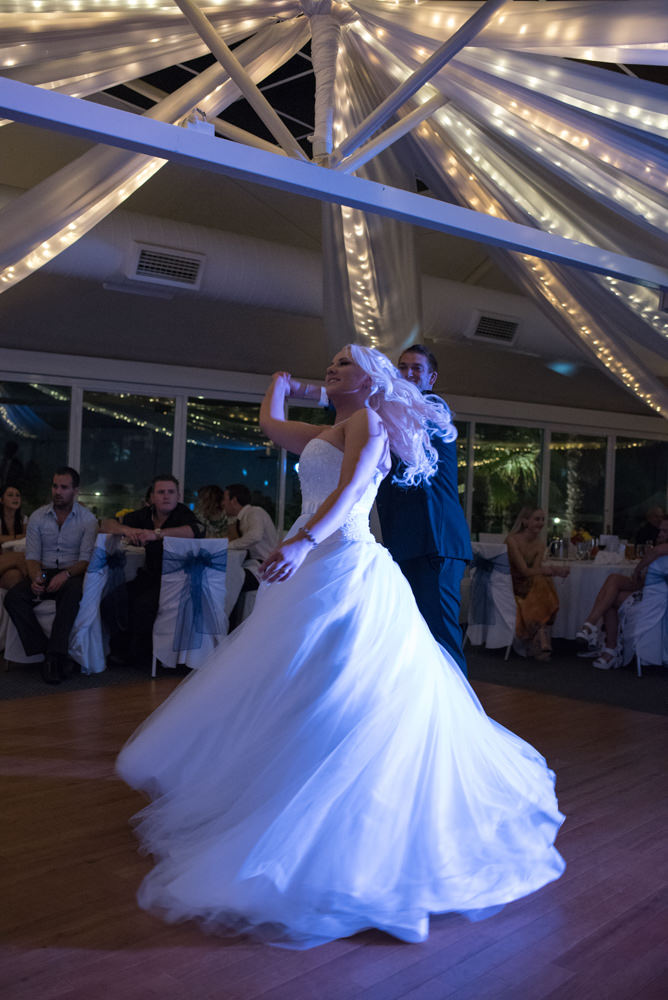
46,109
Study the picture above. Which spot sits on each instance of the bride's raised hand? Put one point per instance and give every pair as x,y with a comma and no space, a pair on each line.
282,381
284,561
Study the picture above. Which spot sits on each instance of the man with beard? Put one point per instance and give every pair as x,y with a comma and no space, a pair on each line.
60,538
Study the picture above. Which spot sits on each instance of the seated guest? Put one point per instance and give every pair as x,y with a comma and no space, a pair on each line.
650,529
255,532
535,596
12,526
210,512
59,542
165,516
609,599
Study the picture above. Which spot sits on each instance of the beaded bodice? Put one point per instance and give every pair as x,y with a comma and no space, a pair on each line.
319,470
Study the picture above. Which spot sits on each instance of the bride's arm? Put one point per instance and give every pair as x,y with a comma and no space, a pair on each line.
291,434
365,444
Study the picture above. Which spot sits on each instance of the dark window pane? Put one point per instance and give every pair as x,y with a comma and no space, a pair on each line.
126,440
34,428
506,474
225,446
641,474
577,483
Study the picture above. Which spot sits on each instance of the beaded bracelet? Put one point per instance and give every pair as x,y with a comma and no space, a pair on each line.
309,537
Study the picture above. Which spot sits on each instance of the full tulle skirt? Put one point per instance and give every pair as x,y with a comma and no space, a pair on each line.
329,770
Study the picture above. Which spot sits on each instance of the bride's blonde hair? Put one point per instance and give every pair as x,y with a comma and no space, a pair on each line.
410,418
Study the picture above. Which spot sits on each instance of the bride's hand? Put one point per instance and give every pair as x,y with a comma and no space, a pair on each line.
282,381
284,561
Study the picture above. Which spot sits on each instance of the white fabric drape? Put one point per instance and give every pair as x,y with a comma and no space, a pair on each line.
65,206
527,135
482,160
326,20
371,290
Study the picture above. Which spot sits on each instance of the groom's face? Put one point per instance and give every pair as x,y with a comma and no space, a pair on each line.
415,368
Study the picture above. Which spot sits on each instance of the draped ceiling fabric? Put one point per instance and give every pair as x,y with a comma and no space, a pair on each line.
524,133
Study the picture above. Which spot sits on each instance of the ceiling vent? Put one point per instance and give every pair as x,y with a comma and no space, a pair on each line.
164,266
500,329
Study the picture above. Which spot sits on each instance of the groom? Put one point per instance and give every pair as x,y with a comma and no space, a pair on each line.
424,527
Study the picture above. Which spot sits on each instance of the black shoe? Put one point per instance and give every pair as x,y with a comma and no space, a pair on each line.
50,668
67,667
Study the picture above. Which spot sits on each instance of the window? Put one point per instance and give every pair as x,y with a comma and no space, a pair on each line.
641,476
577,483
463,429
225,445
507,464
34,429
126,440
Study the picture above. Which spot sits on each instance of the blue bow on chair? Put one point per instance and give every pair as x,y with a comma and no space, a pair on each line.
197,614
482,602
112,558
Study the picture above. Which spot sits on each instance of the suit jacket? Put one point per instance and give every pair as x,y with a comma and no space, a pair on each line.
428,519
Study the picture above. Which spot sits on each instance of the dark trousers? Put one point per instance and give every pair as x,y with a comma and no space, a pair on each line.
250,583
436,585
143,598
20,606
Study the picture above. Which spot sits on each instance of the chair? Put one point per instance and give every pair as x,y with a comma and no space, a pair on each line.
106,574
492,610
644,622
45,612
192,617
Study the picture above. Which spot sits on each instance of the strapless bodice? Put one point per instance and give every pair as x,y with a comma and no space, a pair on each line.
319,471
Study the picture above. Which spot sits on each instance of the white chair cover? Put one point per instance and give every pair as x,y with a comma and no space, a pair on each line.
106,571
192,617
644,622
45,611
492,609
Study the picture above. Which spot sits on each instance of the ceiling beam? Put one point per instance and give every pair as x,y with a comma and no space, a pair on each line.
48,109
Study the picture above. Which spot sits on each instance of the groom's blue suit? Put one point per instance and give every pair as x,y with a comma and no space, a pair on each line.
425,530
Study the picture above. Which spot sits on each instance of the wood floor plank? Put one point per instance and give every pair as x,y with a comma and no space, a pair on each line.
71,929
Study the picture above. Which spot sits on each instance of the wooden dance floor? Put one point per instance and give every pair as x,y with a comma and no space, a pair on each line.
72,931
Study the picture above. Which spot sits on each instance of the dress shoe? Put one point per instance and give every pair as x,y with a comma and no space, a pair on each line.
51,672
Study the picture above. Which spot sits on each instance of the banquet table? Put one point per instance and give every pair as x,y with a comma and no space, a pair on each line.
576,592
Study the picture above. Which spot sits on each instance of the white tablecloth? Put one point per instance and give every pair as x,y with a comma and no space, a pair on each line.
578,591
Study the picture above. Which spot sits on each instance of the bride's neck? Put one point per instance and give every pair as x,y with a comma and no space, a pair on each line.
346,407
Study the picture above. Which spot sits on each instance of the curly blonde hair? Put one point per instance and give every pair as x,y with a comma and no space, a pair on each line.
410,418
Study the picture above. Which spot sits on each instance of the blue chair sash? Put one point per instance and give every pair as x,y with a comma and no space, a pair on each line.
197,614
112,558
482,602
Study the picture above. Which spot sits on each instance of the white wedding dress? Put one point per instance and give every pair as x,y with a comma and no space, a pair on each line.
329,769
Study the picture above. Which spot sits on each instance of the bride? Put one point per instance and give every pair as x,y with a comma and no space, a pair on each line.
329,769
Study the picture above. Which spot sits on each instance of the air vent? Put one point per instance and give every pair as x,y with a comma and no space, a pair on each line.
496,328
164,266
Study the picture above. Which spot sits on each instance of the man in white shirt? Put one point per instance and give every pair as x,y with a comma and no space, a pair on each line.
257,535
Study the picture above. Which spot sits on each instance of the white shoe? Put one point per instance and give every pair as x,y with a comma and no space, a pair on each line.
588,636
608,659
